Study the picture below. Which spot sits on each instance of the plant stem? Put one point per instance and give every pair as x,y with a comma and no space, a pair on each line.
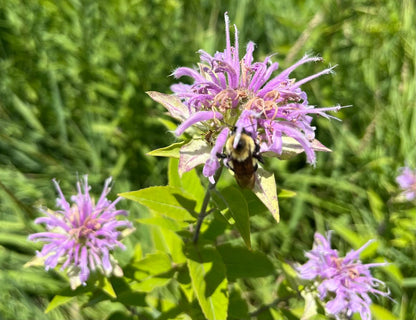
203,213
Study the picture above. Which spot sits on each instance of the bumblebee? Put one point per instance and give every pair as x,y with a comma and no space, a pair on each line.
242,159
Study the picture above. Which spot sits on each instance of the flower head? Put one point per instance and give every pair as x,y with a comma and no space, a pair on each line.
82,236
344,282
407,182
229,92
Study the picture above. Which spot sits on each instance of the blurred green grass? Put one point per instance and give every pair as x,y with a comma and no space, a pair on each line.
73,76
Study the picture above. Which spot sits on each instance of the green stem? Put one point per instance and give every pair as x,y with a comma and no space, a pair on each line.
203,213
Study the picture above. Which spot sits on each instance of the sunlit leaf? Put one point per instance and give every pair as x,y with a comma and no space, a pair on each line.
237,205
381,313
194,153
172,103
171,151
265,190
170,242
165,200
209,282
108,288
58,301
152,264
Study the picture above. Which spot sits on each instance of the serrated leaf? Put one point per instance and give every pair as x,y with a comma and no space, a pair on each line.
238,207
208,279
171,151
164,200
265,190
243,263
172,103
192,154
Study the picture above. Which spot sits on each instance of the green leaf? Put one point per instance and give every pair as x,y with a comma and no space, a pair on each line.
171,151
243,263
173,174
265,190
409,282
238,308
151,264
66,295
170,125
165,200
164,222
354,239
380,313
172,103
168,241
27,112
154,270
236,203
189,182
377,205
148,285
192,185
58,301
283,193
108,288
208,279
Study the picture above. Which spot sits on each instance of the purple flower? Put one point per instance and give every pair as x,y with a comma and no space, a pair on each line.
407,182
82,236
229,92
345,283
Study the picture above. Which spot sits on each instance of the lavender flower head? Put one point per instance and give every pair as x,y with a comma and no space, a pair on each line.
345,283
232,93
407,182
82,236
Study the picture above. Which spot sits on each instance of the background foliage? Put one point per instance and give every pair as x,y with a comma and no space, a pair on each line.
73,76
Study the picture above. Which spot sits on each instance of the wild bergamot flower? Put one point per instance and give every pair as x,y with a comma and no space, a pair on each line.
407,182
241,95
82,236
344,283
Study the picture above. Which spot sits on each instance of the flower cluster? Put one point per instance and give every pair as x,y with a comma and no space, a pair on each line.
407,182
343,282
228,93
82,236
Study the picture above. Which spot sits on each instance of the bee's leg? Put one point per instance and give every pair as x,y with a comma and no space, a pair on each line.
258,157
221,155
